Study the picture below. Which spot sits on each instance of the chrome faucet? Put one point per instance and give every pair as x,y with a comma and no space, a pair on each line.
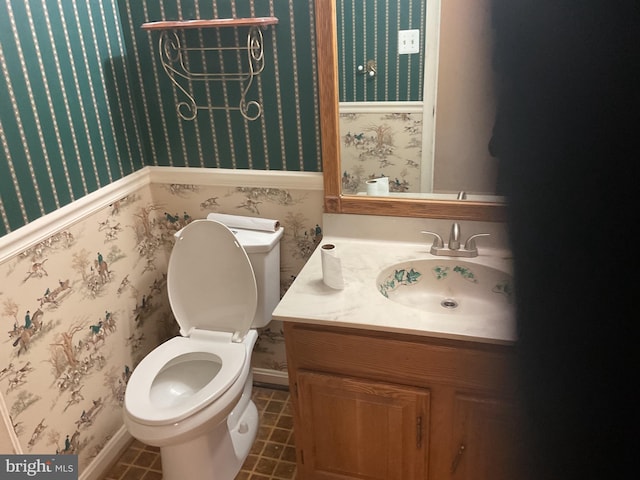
453,248
454,237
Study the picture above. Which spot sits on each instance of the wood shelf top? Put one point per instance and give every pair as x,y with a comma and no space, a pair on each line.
210,23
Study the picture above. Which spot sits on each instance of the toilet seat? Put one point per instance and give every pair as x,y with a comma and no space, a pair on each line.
213,295
210,280
230,356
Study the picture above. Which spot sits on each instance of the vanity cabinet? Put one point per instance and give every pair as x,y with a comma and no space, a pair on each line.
375,405
484,437
361,429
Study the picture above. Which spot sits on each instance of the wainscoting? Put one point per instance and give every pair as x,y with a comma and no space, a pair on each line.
50,396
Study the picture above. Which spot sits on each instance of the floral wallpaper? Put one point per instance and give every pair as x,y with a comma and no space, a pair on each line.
84,306
381,145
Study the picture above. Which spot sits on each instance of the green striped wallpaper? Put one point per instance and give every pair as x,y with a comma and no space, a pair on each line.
84,100
285,137
368,30
67,121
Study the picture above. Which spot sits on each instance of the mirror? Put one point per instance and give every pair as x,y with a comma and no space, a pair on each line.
335,201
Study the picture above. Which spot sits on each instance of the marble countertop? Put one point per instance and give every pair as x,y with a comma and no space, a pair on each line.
361,305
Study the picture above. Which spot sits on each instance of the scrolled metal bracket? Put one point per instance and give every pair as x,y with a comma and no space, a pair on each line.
174,58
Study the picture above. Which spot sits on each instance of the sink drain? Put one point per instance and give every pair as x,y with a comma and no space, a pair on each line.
449,303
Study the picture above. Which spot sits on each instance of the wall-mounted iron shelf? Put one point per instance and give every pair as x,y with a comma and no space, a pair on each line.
175,61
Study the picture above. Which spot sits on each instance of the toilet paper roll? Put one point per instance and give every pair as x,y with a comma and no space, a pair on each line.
378,186
249,223
331,267
372,187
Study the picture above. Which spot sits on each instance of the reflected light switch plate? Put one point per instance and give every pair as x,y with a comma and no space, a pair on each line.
408,41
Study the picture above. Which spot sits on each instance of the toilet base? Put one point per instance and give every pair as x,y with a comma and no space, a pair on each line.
218,454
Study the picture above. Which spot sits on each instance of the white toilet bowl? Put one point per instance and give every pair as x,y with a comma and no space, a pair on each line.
191,396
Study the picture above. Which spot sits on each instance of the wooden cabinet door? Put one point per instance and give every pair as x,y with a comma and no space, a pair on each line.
485,439
360,429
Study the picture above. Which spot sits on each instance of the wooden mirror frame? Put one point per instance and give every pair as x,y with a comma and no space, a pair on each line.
334,201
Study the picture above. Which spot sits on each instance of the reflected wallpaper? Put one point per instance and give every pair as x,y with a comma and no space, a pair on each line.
381,145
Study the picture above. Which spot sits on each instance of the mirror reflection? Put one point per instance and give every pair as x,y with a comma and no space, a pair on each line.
417,101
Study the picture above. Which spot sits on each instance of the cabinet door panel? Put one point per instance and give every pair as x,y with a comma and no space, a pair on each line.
486,440
359,429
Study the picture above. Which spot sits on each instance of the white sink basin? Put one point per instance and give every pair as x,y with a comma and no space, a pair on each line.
448,286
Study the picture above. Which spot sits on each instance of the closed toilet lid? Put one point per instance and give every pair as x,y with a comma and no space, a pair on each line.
210,281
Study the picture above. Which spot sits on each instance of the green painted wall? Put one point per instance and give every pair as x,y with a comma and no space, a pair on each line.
84,100
368,30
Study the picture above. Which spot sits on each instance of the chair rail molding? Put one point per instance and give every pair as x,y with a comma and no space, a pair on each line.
40,229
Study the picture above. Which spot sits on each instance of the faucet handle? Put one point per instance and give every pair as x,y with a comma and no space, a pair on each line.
470,244
437,240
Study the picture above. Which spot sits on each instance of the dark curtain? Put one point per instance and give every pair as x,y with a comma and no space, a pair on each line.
567,139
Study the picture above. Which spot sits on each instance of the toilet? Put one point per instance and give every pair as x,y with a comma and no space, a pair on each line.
191,396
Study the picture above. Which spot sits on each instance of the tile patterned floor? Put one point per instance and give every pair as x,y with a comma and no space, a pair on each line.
273,456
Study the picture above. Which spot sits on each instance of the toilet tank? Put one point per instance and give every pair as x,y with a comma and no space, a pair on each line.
263,249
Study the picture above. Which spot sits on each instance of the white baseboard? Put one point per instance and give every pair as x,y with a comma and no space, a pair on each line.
108,456
270,377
